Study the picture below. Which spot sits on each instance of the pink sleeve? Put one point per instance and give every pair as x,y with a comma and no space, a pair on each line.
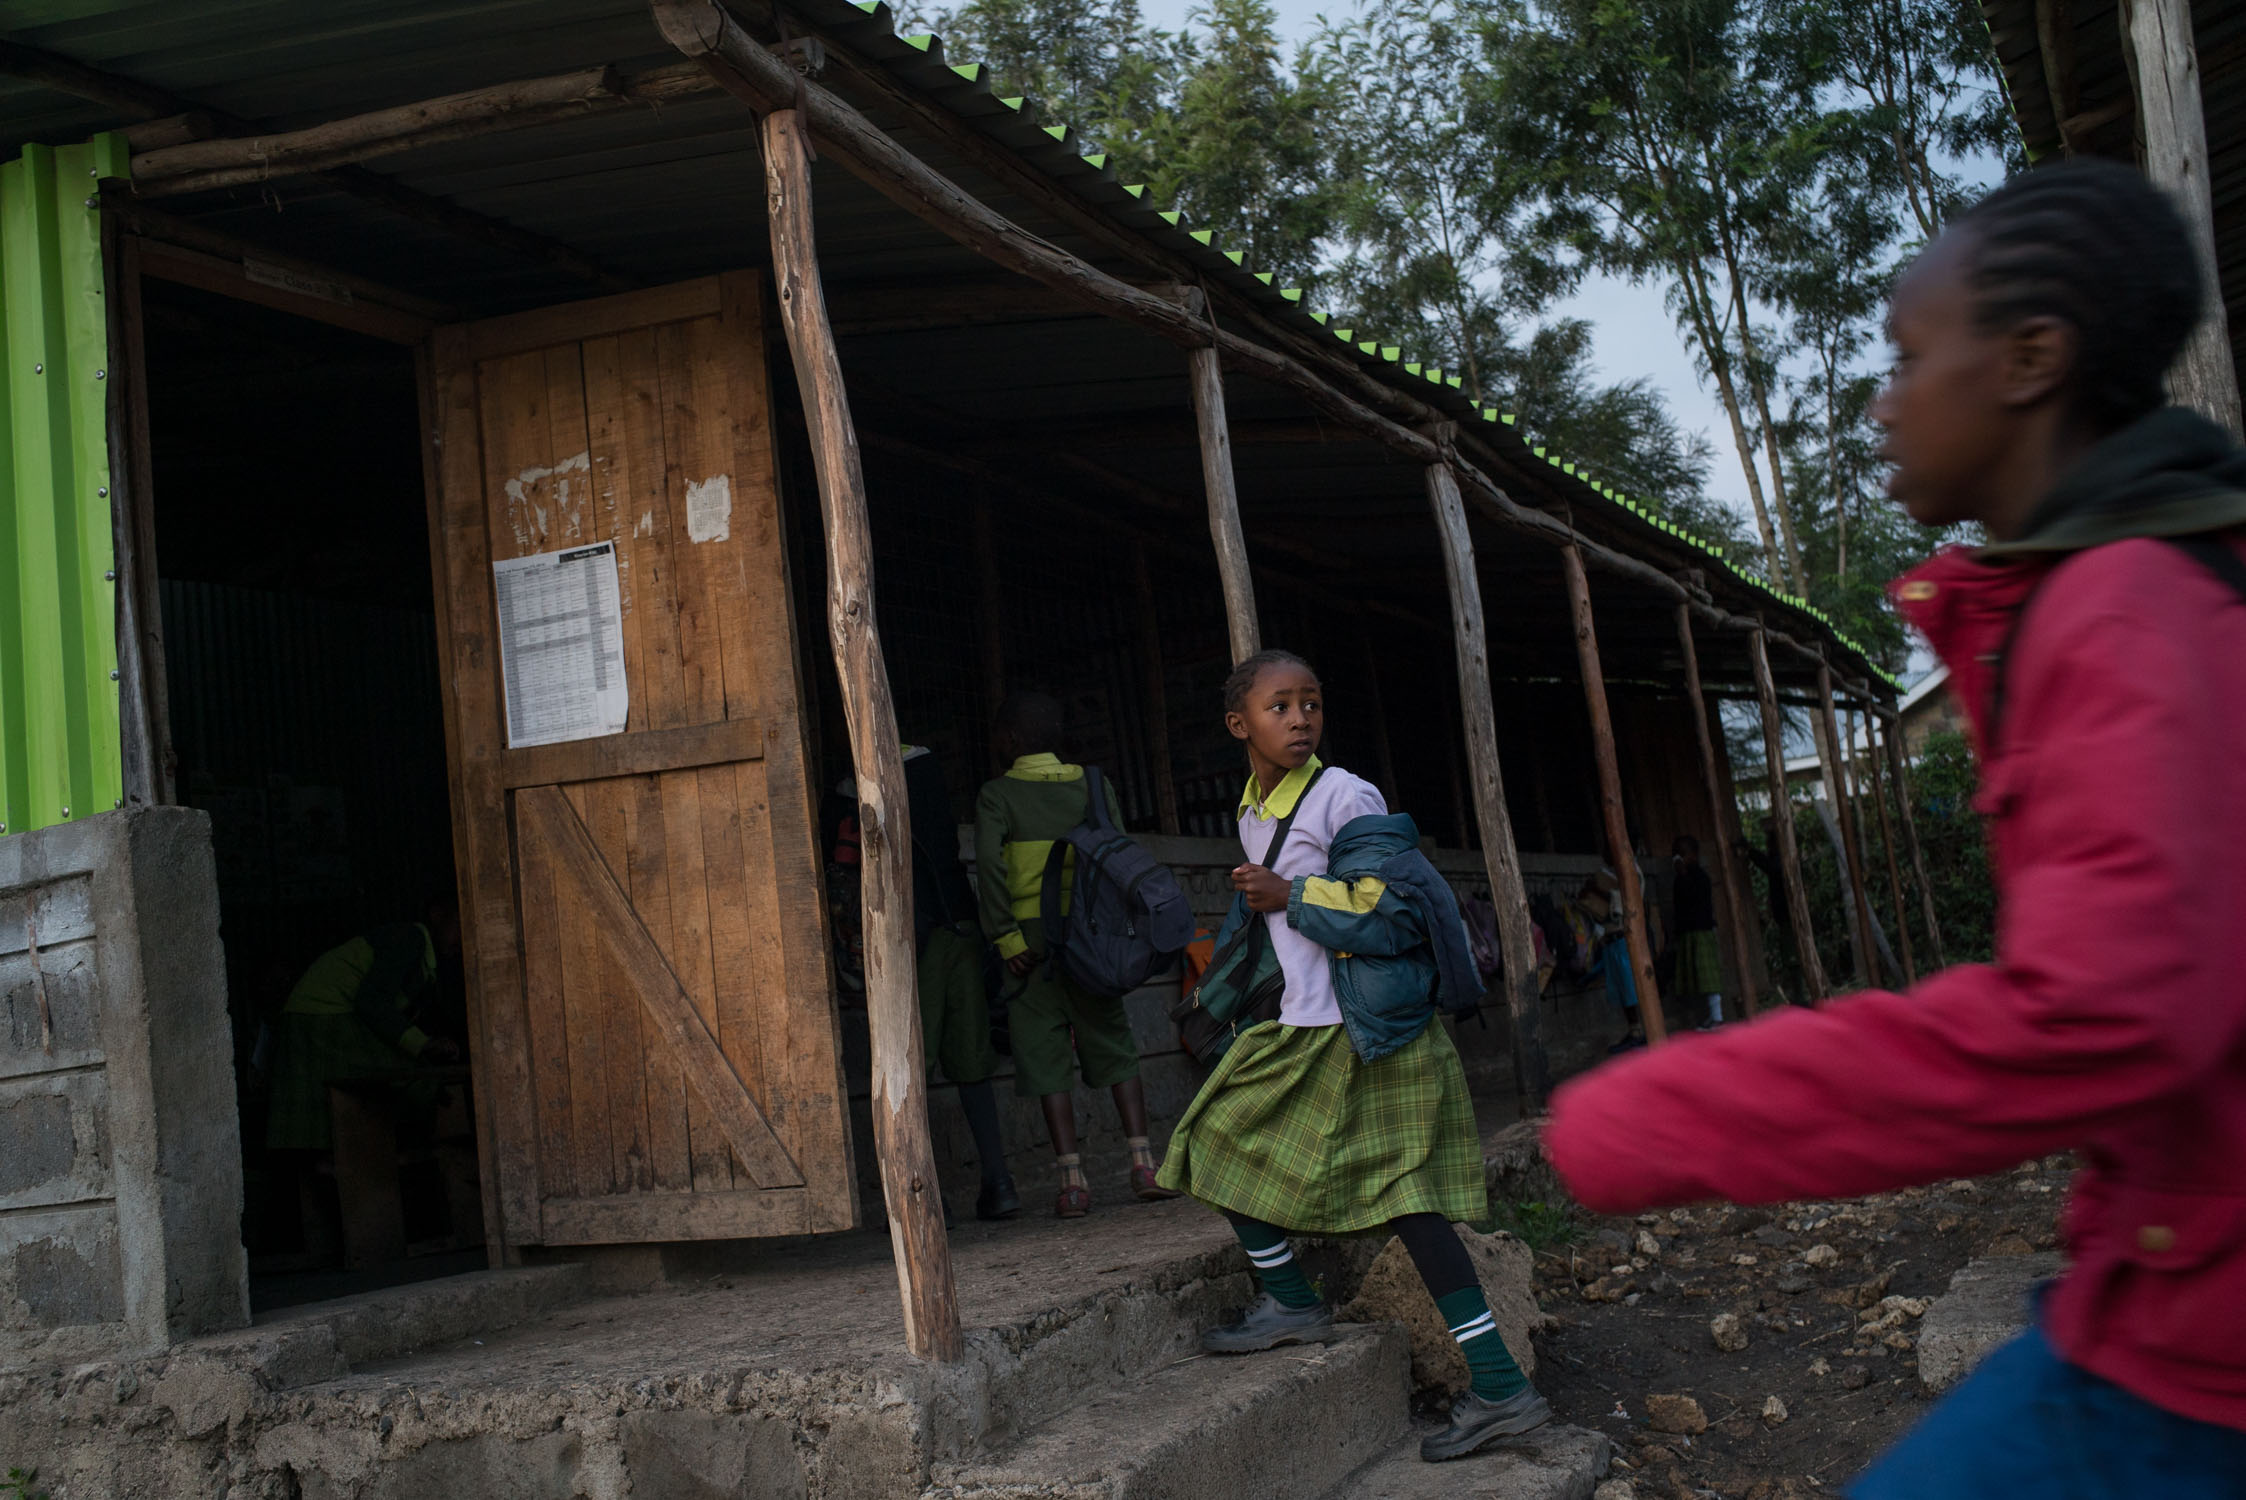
2115,981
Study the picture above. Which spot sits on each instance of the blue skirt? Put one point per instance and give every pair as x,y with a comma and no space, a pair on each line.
2028,1424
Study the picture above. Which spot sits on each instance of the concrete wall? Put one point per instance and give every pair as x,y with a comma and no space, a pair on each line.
120,1154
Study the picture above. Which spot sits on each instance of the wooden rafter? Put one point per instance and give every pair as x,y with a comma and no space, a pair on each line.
145,101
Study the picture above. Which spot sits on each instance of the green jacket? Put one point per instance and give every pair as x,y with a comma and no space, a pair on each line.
1017,817
383,978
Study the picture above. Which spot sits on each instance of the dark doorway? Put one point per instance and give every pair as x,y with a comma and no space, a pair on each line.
306,717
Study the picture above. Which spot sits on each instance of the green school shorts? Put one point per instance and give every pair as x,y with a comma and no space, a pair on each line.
1042,1019
954,1011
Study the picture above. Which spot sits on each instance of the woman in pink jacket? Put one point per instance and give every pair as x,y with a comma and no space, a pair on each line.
2099,644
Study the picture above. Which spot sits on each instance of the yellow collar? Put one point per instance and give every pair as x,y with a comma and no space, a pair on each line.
1283,797
1044,766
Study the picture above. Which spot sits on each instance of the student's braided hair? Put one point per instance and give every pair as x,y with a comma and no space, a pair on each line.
2096,245
1243,678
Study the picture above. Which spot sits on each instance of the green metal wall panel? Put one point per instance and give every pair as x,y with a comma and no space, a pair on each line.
59,756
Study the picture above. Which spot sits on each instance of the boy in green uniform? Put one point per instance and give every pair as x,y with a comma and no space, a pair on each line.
1017,818
352,1015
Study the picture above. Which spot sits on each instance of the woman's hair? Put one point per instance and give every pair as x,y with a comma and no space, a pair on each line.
2098,246
1243,678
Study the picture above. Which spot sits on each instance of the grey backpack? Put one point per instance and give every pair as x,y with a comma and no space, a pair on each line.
1127,919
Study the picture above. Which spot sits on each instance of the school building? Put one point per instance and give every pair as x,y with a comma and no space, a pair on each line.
538,450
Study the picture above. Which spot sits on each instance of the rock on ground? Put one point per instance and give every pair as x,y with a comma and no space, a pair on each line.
1728,1332
1987,1304
1392,1292
1670,1413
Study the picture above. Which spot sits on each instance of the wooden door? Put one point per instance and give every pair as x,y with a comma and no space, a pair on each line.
655,1033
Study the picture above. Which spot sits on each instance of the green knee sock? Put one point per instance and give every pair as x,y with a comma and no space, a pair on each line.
1467,1315
1276,1267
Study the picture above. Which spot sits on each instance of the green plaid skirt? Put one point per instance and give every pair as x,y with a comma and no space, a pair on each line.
1292,1129
1699,965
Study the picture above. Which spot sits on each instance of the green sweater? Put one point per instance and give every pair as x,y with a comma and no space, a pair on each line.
1017,818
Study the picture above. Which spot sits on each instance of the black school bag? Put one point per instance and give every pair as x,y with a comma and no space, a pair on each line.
1127,919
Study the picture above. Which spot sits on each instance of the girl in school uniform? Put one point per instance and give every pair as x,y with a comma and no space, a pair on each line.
1296,1131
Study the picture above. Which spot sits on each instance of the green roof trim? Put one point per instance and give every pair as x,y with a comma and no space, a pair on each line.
1001,130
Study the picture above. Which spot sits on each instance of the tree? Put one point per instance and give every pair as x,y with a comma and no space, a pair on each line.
1655,147
1421,248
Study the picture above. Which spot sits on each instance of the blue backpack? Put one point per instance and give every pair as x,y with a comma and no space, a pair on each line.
1127,919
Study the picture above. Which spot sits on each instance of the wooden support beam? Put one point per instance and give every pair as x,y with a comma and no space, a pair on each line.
1894,744
143,694
232,160
1887,846
1478,711
704,30
1720,795
2173,121
129,96
1155,672
1782,822
1224,502
900,1104
1831,753
1620,851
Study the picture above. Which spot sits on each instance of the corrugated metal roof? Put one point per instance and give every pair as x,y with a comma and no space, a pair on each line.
677,191
59,755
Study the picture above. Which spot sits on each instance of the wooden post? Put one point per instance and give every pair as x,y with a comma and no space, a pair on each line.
1224,496
1910,843
1624,857
1887,845
1508,892
1157,691
2172,118
900,1105
1735,889
1782,820
1829,758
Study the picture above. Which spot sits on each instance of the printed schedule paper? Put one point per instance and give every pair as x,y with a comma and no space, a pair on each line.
561,645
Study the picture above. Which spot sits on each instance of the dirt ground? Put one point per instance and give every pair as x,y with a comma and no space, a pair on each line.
1815,1304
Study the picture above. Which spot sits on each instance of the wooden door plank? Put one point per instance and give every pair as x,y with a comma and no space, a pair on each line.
706,562
545,1009
630,754
751,1214
752,998
690,955
643,480
610,458
740,902
543,327
669,1167
623,1050
582,1019
711,1076
604,1088
809,1030
701,657
505,1100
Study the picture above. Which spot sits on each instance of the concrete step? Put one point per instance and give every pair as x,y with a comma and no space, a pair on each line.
1290,1422
1551,1463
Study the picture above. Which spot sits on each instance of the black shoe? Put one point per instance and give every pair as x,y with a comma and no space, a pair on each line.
1267,1324
998,1200
1475,1422
1629,1043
